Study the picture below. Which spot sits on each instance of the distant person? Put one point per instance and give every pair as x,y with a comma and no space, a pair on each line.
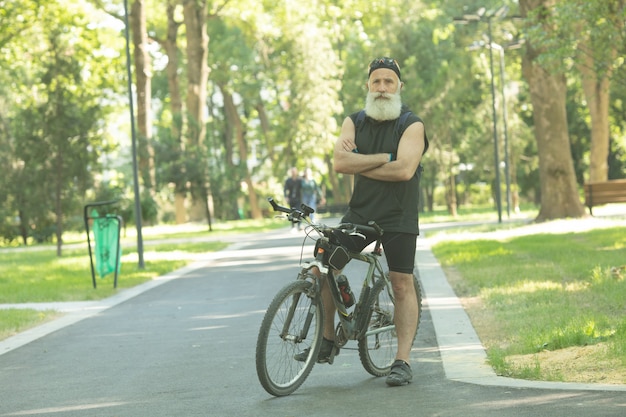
293,193
311,192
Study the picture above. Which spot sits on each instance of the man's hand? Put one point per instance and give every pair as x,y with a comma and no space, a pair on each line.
348,144
402,166
346,161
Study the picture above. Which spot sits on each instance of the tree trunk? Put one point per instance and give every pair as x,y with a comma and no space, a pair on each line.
58,202
23,227
451,202
333,179
170,44
195,17
597,89
514,187
234,120
428,184
265,128
143,77
559,193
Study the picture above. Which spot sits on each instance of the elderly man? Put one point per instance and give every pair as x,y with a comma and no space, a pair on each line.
383,148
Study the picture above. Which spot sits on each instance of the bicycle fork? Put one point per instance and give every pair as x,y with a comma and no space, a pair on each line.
285,334
304,331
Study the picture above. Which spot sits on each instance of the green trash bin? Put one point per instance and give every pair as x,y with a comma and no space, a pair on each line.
106,232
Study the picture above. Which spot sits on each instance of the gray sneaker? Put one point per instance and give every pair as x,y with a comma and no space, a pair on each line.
400,374
325,354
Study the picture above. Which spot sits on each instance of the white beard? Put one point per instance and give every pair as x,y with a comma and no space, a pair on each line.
381,109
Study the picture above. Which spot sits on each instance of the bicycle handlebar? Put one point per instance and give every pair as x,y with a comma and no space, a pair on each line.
276,207
371,229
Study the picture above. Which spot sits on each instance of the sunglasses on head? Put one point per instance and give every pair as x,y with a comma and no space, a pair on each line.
385,62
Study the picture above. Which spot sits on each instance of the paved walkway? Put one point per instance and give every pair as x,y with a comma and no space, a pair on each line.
463,356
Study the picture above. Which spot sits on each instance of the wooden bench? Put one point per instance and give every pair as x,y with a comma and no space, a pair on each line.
598,193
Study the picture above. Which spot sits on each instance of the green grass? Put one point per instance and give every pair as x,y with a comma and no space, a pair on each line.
13,321
40,276
169,231
545,292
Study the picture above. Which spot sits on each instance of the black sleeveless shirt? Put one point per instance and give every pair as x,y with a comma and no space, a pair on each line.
392,205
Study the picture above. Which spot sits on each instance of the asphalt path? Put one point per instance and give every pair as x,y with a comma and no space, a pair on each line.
184,345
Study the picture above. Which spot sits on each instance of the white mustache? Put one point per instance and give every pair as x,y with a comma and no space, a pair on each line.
383,105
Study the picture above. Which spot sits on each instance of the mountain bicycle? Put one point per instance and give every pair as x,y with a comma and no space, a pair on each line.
293,322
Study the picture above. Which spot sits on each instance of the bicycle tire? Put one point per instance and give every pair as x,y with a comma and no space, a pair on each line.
377,351
279,373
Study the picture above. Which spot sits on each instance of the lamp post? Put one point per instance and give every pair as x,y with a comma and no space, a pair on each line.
480,16
507,171
493,45
141,264
507,168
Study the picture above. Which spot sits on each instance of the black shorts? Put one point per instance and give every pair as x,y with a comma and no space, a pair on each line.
399,248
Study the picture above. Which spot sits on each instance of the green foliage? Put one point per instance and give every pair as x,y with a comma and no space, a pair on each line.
56,131
293,73
579,28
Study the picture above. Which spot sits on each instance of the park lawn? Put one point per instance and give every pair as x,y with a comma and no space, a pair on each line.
546,306
40,276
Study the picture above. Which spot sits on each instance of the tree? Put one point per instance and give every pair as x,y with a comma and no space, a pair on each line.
591,33
559,194
195,14
172,144
58,128
278,80
143,77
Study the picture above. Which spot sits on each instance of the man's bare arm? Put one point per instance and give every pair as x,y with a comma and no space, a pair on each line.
410,150
348,162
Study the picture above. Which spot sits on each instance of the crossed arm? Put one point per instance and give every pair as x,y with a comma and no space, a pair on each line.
378,166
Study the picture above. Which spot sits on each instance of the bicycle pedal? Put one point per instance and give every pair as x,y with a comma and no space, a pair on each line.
330,358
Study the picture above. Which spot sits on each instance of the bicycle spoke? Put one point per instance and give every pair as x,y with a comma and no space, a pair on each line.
291,325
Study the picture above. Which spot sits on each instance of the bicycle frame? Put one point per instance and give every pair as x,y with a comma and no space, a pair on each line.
291,335
352,326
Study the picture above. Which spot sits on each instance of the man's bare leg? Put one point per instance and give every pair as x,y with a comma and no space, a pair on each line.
329,307
406,313
329,311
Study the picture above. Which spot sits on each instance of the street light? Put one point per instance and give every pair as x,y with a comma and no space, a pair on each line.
480,16
507,174
141,264
507,169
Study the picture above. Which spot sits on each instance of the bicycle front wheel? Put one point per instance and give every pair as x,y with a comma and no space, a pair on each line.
292,325
379,345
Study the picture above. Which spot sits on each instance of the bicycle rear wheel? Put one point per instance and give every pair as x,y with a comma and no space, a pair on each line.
378,347
292,324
